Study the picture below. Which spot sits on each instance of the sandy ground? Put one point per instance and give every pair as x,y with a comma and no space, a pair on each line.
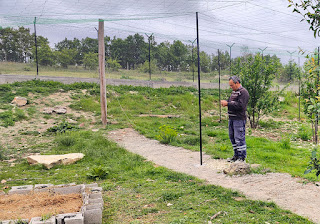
287,192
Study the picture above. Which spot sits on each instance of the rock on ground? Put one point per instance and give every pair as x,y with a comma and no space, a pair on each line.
51,160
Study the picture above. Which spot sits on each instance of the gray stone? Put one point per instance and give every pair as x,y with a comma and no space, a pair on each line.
94,206
47,110
95,189
60,110
68,190
94,201
19,101
70,218
95,195
91,185
51,160
237,168
37,220
93,216
25,189
42,187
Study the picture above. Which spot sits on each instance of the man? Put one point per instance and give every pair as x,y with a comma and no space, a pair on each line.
237,107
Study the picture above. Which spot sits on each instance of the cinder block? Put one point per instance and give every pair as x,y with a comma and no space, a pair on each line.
67,190
93,216
91,185
70,218
25,189
95,195
93,206
42,187
95,189
37,220
95,201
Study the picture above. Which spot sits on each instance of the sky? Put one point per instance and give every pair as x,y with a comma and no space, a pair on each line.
246,25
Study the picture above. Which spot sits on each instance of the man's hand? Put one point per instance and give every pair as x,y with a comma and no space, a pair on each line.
224,103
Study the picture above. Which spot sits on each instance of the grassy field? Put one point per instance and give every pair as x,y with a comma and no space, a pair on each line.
79,71
137,191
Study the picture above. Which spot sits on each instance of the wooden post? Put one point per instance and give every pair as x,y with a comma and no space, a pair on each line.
103,98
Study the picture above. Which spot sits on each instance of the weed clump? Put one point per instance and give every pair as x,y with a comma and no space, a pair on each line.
62,128
167,134
98,173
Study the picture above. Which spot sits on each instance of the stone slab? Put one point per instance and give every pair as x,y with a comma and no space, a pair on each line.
25,189
51,160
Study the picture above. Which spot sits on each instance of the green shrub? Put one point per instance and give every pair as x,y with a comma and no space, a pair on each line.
305,133
19,115
66,141
98,173
167,134
314,164
285,143
62,127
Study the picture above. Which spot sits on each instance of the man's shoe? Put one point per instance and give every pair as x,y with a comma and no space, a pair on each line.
241,159
233,159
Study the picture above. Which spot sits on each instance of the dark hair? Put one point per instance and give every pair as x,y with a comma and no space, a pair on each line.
235,79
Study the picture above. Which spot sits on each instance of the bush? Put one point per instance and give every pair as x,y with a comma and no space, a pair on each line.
98,173
62,127
314,164
167,134
305,133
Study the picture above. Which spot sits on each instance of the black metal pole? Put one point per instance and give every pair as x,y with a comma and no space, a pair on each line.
219,83
317,117
199,88
149,38
299,85
35,41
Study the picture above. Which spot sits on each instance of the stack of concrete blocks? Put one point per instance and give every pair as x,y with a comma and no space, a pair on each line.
90,213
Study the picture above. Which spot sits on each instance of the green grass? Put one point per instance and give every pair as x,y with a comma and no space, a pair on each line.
136,191
79,71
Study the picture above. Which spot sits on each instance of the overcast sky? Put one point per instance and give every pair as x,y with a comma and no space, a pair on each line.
255,24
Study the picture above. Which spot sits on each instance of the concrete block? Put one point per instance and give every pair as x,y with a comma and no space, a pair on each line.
91,185
95,189
25,189
93,206
93,216
70,218
42,187
95,195
37,220
95,201
68,190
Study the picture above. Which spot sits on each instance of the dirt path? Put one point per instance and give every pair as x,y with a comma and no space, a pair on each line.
287,192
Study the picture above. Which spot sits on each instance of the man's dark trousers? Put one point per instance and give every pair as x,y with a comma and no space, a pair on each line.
237,133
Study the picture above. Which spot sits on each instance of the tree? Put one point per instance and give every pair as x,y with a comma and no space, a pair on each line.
45,53
310,10
74,45
205,62
161,55
177,54
66,57
256,76
290,72
91,60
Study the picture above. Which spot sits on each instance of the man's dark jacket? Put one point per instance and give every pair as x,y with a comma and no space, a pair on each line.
237,104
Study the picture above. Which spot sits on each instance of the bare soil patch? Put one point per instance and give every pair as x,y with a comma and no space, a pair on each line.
18,206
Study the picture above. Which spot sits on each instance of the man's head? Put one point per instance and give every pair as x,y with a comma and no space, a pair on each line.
234,82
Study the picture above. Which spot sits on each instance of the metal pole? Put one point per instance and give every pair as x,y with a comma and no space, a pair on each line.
199,88
219,83
230,46
299,85
262,50
35,41
149,38
192,58
317,117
